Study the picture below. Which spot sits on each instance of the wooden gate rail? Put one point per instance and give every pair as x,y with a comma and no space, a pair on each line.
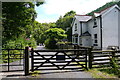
8,59
72,57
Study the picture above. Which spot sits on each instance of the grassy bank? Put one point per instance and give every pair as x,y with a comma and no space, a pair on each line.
102,73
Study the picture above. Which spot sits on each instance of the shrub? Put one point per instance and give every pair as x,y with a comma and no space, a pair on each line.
51,44
115,66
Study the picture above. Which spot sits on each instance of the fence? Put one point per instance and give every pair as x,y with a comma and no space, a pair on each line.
98,59
12,59
71,46
79,58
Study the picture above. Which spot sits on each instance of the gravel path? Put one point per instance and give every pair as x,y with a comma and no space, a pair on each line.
56,74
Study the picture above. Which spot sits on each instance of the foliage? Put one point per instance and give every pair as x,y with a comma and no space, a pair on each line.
51,43
18,19
107,5
17,26
96,73
22,14
65,23
54,35
115,66
14,54
35,73
39,31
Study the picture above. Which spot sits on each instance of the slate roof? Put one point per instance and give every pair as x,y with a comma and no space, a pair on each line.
83,18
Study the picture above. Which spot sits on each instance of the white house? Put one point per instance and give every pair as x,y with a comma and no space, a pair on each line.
99,31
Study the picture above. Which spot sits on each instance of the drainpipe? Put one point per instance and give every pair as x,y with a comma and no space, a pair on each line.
101,30
81,27
81,31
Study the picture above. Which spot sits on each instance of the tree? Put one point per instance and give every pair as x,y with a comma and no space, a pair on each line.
18,18
39,31
56,33
65,23
71,13
53,36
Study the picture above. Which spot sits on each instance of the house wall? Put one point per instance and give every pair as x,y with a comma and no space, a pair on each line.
93,31
86,40
110,28
75,32
84,27
119,28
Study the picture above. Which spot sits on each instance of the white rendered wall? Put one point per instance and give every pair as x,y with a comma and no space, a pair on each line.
119,28
95,30
75,32
110,29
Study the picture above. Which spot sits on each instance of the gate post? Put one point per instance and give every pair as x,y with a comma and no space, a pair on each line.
32,62
26,61
90,58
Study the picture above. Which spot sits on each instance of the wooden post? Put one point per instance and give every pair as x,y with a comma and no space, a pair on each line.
26,61
113,58
8,60
113,54
86,65
32,62
90,54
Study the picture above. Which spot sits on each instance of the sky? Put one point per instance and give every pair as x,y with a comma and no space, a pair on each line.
51,10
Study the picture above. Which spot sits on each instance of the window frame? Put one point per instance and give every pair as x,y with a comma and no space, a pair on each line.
95,23
75,26
95,40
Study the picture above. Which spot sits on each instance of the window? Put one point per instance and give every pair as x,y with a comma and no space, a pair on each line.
75,26
76,39
95,36
95,44
95,40
95,23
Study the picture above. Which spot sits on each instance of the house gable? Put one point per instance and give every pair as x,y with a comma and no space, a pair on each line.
106,11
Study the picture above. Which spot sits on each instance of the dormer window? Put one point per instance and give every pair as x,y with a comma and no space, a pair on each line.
95,23
75,26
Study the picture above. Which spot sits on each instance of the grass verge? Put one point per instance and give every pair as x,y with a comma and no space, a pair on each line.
35,73
101,73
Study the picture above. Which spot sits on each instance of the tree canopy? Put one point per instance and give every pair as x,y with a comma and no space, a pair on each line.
53,36
18,19
65,23
55,33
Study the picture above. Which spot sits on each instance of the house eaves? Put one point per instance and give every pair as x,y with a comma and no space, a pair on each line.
83,18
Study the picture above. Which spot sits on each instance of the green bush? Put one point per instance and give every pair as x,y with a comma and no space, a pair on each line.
115,66
51,44
31,42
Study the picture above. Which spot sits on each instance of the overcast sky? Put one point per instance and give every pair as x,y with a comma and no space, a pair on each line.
51,10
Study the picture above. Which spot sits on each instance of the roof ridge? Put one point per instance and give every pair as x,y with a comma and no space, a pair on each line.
105,8
82,15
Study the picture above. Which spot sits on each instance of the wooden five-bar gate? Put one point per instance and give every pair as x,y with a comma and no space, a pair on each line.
58,59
